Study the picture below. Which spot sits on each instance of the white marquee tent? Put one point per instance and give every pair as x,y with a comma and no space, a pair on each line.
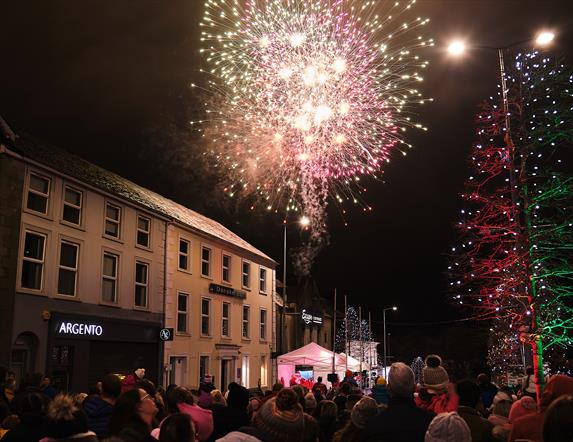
319,358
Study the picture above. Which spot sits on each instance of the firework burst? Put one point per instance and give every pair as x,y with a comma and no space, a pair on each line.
308,96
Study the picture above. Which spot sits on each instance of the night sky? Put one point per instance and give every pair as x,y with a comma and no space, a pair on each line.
110,81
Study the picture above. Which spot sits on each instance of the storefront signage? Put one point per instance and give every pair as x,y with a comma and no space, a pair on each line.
309,318
227,291
166,334
77,328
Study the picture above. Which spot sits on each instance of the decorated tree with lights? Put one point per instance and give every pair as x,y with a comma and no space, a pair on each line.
513,265
417,367
353,334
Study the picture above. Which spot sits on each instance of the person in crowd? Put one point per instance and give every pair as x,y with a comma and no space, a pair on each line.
99,409
280,419
380,392
521,407
528,387
311,430
487,390
254,406
4,401
318,385
436,394
10,386
309,403
235,415
531,426
499,418
31,411
66,421
402,420
469,395
177,427
353,431
299,390
149,387
132,417
342,396
130,381
448,427
9,423
218,399
47,387
30,386
205,399
558,422
344,415
180,400
349,379
327,420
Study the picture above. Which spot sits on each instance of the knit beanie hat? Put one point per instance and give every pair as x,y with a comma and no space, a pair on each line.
281,418
238,396
447,427
380,380
364,409
309,401
521,407
435,376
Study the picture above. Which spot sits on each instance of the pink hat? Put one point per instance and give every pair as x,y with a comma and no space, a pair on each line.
521,407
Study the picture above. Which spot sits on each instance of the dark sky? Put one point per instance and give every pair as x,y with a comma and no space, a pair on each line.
109,80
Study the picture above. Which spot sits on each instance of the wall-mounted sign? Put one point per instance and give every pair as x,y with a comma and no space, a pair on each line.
309,318
227,291
78,328
166,334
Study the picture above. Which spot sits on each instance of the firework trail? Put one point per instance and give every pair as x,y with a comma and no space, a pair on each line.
308,96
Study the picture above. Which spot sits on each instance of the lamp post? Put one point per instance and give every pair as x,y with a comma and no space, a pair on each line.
394,308
304,221
544,38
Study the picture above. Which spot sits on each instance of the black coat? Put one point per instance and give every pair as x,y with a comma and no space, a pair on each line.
402,421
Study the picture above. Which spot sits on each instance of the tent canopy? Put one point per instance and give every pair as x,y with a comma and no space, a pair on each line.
320,358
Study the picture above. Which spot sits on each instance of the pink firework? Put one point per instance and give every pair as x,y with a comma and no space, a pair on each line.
307,96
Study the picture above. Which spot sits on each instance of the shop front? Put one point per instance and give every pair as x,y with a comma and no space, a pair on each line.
82,349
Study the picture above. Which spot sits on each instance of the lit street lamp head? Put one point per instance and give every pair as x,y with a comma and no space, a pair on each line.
304,221
544,38
456,48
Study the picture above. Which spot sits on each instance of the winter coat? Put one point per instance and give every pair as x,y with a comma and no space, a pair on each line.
531,425
89,436
227,420
327,425
487,393
202,419
380,394
438,403
99,414
24,433
402,421
481,428
238,436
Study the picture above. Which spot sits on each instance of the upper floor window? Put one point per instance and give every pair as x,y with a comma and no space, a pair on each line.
109,277
182,306
38,193
226,276
143,230
246,314
246,274
205,261
226,313
263,325
68,269
112,220
141,283
205,316
72,205
184,252
263,280
33,261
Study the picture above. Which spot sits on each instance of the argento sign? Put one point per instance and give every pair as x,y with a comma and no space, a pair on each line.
309,318
78,328
228,291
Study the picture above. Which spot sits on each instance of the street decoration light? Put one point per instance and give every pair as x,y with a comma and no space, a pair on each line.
393,308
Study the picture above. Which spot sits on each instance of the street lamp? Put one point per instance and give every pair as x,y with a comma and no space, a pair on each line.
394,308
304,221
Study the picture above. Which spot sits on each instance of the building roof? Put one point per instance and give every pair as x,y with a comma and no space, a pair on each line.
86,172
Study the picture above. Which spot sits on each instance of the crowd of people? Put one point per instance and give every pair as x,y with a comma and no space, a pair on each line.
133,409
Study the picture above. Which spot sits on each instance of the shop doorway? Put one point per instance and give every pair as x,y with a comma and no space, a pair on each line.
178,373
24,352
226,373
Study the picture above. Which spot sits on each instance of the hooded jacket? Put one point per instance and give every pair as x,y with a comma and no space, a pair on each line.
99,414
531,426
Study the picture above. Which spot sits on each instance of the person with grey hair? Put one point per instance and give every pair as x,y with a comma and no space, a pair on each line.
402,420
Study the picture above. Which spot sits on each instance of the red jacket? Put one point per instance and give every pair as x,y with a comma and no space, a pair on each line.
439,403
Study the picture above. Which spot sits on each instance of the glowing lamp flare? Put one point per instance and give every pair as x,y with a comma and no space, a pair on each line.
457,48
